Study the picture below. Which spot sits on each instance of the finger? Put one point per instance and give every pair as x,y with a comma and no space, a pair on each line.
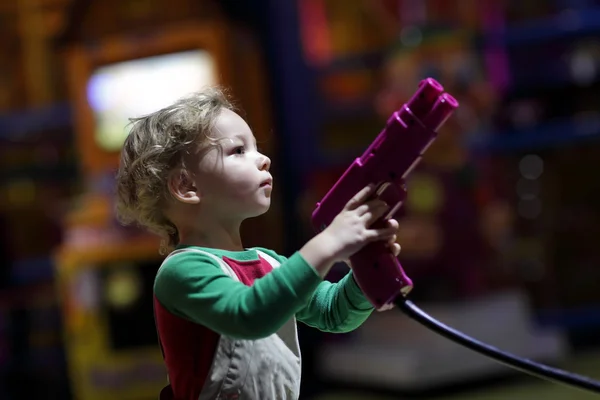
393,240
384,234
362,209
360,197
392,223
377,209
396,249
386,307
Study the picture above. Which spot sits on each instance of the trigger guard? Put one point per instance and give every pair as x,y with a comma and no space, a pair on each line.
393,194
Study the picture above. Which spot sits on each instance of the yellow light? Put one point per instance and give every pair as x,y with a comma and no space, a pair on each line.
425,194
123,287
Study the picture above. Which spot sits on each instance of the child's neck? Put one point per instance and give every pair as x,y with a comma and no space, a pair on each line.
224,239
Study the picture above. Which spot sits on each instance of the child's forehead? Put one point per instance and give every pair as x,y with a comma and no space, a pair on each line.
230,125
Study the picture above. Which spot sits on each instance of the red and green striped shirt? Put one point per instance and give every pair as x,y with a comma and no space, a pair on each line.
196,302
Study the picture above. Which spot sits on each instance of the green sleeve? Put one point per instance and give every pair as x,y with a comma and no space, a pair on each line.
193,286
334,307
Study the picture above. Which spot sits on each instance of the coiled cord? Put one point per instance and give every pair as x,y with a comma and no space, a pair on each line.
524,365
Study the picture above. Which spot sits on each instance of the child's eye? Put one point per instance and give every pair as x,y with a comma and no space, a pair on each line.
239,150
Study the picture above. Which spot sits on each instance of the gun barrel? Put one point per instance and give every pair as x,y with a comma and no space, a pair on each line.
441,111
395,151
424,99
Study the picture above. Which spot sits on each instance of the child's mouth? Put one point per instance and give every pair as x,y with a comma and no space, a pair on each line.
268,182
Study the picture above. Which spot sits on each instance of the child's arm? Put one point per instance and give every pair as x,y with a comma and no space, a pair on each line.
193,286
334,307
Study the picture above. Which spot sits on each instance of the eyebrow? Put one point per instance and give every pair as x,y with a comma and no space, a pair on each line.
243,137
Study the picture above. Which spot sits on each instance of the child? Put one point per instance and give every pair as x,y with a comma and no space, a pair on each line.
226,315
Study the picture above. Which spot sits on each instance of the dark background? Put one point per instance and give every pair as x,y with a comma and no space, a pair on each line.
505,202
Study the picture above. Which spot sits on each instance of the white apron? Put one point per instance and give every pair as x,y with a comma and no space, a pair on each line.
263,369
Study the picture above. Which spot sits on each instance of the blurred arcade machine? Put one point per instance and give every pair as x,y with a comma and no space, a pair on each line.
36,176
123,59
546,141
457,215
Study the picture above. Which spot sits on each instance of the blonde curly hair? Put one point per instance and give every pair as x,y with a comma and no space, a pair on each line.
155,145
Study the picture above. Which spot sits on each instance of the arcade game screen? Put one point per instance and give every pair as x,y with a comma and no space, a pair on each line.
127,304
119,91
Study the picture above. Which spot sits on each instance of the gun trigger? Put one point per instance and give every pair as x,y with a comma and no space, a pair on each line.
381,187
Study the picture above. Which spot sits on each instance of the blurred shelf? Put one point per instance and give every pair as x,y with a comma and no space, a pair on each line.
27,296
59,172
21,124
359,108
362,60
336,158
574,22
573,319
543,82
566,24
32,270
564,132
48,358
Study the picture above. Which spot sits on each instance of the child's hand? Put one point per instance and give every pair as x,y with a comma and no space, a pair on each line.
386,307
395,247
349,231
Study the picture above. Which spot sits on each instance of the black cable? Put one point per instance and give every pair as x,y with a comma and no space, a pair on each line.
524,365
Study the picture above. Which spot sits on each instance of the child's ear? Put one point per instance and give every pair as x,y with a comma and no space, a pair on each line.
182,187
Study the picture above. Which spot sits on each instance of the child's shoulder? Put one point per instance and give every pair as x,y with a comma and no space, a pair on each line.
185,260
271,253
184,271
184,266
182,259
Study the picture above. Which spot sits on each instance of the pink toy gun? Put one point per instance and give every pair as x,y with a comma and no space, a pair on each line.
387,162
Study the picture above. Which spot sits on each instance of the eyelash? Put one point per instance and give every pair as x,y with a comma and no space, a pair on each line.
239,150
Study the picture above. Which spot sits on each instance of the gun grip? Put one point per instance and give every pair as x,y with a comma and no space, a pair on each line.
379,274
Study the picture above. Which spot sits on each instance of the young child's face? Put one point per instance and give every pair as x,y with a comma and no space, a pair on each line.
233,178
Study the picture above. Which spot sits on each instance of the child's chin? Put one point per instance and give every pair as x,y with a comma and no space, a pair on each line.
260,210
265,208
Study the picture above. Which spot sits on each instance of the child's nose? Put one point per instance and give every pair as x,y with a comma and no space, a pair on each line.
265,163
